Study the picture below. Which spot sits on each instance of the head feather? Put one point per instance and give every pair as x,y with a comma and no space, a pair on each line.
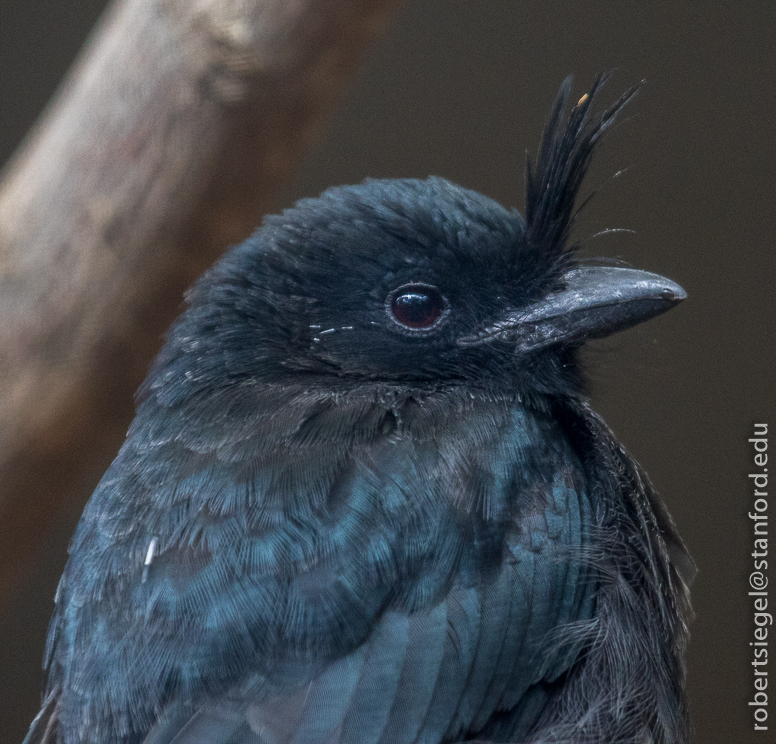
553,183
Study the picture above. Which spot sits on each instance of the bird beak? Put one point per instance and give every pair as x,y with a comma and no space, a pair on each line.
596,301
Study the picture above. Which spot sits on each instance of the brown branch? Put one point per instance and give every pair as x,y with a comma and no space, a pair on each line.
177,125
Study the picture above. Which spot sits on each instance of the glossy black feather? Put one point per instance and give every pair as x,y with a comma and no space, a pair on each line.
553,184
325,527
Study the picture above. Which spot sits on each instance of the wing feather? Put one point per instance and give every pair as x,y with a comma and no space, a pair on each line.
43,729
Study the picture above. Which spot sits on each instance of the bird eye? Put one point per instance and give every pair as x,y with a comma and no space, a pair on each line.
416,306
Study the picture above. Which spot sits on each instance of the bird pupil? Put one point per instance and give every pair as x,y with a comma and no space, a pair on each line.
417,308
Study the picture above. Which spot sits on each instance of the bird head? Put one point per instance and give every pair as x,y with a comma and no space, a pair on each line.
418,283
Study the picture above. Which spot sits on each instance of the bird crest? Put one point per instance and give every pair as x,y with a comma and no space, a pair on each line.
553,182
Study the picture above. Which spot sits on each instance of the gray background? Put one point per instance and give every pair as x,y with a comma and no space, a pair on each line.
460,89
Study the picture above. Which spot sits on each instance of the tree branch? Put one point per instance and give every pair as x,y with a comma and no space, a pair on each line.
164,147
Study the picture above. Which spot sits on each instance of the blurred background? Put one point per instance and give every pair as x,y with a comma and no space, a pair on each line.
460,89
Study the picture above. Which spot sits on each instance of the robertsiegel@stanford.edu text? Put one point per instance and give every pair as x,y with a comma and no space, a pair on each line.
758,578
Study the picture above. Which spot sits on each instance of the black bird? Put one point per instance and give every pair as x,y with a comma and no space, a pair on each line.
364,498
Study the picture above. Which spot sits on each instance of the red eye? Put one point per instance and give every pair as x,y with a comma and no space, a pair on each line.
416,306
